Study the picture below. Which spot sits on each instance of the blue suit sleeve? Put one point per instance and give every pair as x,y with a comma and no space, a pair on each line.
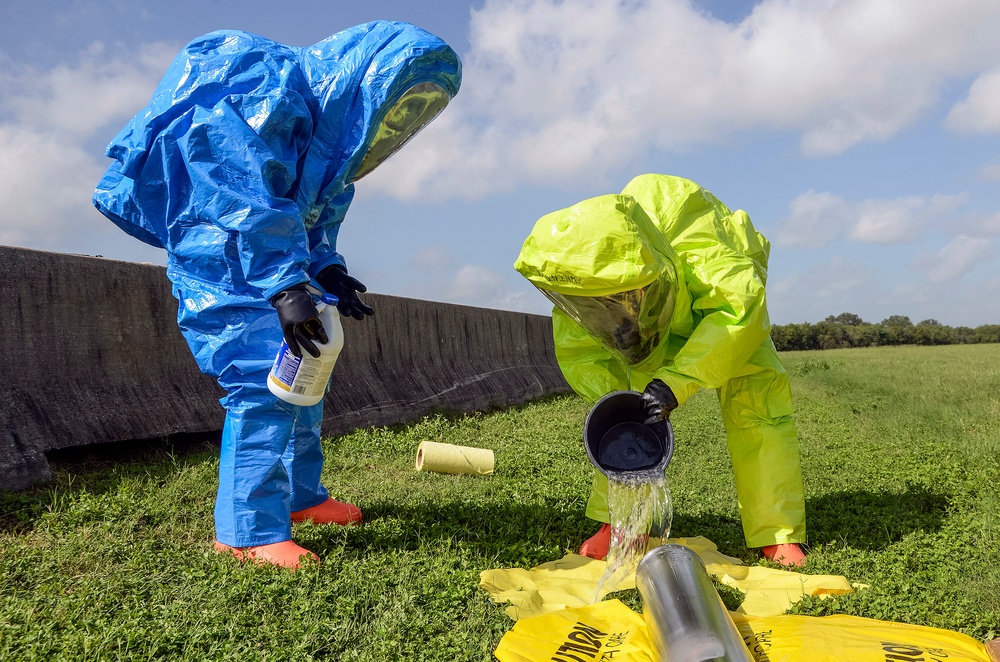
234,178
323,236
209,168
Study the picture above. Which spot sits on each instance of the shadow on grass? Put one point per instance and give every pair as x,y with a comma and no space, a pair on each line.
874,520
513,535
99,469
724,530
96,459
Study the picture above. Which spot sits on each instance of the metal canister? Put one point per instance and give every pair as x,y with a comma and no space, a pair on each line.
685,617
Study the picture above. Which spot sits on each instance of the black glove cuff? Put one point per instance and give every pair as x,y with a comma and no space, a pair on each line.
658,400
285,293
663,394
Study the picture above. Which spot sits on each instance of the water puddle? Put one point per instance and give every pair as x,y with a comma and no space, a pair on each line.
641,513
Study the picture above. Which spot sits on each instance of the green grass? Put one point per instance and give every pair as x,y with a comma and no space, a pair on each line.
899,447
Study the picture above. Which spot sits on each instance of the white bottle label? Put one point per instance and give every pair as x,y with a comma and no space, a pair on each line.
300,375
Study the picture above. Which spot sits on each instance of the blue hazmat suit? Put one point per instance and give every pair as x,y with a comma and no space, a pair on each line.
242,167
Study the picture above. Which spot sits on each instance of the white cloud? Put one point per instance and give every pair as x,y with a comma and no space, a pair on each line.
904,219
47,118
437,274
45,183
976,225
432,258
991,224
886,222
557,92
818,218
100,89
837,285
844,285
979,112
960,256
951,305
476,285
990,172
473,282
836,277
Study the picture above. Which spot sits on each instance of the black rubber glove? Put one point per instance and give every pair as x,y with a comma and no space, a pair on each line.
657,402
335,280
299,320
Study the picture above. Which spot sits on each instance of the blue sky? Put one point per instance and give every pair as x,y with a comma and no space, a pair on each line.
862,136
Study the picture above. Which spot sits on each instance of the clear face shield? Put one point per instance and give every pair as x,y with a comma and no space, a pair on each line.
415,109
629,323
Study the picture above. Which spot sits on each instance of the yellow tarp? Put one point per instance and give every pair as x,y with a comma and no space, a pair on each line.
572,582
569,582
579,633
611,631
790,638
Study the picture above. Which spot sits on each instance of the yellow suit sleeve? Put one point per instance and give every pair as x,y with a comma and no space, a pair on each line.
729,306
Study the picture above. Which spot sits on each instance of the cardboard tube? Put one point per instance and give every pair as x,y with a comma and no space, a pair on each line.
451,459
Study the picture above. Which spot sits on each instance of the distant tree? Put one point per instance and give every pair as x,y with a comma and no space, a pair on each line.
963,335
782,338
988,333
847,319
846,330
832,335
793,337
896,320
931,334
868,335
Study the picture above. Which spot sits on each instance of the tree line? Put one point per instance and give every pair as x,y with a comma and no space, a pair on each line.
849,330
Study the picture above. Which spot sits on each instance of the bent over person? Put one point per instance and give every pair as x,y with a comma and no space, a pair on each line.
242,167
661,290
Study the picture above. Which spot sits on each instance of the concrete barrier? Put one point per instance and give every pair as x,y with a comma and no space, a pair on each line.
90,353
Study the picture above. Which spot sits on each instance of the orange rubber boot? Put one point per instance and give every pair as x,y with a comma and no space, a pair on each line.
787,554
330,511
282,554
596,547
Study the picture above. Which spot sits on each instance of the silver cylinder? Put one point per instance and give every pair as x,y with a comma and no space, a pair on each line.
685,617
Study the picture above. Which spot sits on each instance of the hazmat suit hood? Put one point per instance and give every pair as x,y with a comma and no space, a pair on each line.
605,265
404,77
305,117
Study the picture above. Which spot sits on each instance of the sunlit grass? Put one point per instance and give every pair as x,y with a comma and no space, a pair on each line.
899,446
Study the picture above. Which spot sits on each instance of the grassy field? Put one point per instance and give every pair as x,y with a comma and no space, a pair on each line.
899,449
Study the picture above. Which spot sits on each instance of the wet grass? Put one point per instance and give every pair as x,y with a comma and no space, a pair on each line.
112,559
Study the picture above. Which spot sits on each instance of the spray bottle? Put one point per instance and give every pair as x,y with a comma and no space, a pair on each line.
303,380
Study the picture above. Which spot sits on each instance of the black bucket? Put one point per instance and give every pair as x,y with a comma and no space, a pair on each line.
618,441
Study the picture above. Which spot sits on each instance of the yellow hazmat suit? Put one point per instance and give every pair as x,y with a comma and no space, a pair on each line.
665,282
